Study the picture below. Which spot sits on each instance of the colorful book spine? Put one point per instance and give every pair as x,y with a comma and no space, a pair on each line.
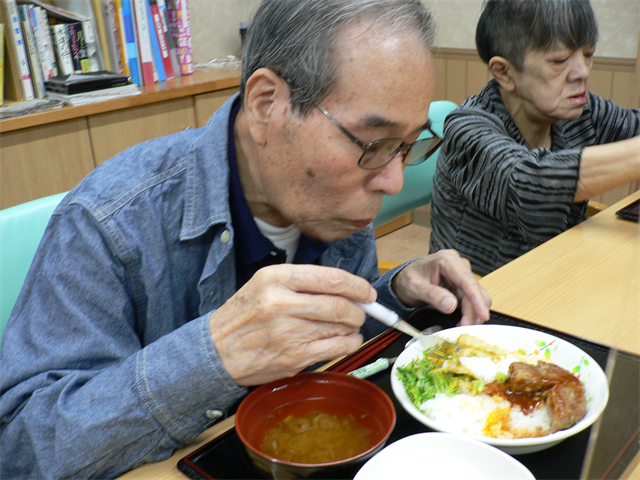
60,35
96,7
155,46
122,41
180,25
173,51
115,36
45,33
131,42
32,52
78,48
162,39
92,43
146,55
41,42
18,40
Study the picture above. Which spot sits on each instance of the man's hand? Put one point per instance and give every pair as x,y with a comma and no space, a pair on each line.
443,280
286,318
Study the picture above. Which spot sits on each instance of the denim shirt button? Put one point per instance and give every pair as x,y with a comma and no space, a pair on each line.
213,414
225,236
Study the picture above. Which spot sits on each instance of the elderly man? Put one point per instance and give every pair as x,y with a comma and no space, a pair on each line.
190,267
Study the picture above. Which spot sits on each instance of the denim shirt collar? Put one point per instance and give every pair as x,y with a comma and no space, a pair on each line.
207,176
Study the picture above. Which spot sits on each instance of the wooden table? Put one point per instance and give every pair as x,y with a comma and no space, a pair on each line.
584,282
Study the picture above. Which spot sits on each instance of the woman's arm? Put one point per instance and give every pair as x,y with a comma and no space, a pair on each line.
603,167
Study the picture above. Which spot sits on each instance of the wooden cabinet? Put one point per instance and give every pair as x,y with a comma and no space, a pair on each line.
207,103
50,152
40,161
114,132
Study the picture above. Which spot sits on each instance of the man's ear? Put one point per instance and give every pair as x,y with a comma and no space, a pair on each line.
263,93
502,70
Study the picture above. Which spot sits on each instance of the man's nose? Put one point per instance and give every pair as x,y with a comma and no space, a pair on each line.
390,178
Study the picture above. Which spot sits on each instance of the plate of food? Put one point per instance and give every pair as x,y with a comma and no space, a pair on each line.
518,389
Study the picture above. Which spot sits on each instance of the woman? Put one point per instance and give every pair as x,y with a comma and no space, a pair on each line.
521,159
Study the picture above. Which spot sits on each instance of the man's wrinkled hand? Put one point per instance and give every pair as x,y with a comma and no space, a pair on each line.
445,281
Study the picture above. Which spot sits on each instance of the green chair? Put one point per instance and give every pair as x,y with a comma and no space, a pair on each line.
21,229
416,190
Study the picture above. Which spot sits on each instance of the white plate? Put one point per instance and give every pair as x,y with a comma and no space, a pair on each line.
560,352
442,456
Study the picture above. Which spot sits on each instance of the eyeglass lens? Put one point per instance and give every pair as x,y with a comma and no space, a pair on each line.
383,151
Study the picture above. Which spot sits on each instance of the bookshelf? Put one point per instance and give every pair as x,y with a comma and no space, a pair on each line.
50,152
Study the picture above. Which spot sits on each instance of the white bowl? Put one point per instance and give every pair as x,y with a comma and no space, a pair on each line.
560,352
442,456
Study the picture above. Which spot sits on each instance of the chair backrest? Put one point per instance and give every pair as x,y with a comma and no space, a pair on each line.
416,190
21,229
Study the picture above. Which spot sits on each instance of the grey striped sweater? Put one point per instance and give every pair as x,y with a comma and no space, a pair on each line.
494,198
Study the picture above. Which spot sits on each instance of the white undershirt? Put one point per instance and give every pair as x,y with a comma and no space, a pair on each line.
286,238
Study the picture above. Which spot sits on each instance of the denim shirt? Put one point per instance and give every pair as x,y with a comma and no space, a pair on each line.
107,361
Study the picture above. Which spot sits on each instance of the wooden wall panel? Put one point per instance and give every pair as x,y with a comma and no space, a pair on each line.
601,82
456,87
623,89
40,161
461,73
440,68
477,77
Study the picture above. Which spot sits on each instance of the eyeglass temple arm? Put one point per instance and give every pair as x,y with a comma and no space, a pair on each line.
342,129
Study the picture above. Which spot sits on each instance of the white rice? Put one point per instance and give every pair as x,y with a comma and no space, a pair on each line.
465,413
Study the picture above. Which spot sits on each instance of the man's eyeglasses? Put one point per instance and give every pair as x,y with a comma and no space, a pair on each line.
380,152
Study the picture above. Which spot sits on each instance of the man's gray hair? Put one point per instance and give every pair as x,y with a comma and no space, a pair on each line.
295,39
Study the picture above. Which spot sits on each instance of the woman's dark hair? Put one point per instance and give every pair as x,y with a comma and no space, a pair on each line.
296,39
512,28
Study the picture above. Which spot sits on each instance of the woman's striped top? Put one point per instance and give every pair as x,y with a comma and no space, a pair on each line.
493,197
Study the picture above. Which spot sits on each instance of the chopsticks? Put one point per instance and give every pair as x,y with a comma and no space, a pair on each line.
365,353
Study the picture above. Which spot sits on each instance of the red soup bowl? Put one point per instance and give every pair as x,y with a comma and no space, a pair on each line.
366,406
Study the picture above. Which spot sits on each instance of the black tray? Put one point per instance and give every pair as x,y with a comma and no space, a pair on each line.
613,448
630,212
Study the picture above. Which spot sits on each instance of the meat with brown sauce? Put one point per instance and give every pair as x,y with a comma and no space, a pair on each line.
562,392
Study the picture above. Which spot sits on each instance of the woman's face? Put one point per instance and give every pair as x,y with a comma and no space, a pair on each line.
554,84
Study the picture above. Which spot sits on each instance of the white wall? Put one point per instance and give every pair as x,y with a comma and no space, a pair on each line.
215,25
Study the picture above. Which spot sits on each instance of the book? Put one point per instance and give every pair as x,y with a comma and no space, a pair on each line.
158,65
43,41
78,48
82,11
92,45
180,26
41,17
173,51
122,41
86,82
163,45
96,95
144,40
12,85
131,41
60,34
101,35
35,66
18,46
111,35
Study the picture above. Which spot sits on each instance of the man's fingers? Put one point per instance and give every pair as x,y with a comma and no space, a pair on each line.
318,279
